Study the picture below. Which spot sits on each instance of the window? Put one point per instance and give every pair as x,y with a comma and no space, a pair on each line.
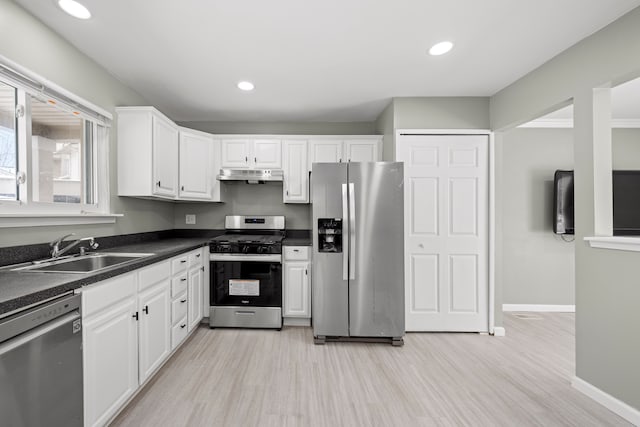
53,153
8,143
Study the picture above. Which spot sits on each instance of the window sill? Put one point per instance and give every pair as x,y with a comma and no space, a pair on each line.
41,220
619,243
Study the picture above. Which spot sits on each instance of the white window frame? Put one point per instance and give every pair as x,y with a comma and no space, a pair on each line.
27,213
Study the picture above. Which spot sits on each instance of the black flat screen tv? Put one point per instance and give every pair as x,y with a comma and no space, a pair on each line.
626,202
563,202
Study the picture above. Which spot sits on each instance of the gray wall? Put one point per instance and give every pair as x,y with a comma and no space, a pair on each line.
607,291
441,113
384,126
625,149
24,40
537,266
244,199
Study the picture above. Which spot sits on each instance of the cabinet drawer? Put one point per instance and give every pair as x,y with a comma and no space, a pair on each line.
293,253
179,264
149,276
179,332
103,294
195,259
179,285
179,308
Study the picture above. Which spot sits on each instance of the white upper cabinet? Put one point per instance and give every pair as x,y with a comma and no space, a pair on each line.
295,187
147,153
157,159
357,149
199,162
362,150
325,151
235,153
267,154
252,153
165,152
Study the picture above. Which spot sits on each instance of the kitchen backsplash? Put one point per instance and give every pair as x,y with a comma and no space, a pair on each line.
244,199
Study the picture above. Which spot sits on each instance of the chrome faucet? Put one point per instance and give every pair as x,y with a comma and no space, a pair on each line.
57,252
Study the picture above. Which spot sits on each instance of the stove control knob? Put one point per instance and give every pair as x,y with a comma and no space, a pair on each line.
262,249
245,249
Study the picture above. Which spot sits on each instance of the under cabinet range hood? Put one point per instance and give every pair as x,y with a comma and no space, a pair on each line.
251,176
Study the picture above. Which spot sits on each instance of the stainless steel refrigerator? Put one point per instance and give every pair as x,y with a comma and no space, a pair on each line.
358,251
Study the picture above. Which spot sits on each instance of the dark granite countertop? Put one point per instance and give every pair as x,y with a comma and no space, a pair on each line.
297,241
19,289
297,238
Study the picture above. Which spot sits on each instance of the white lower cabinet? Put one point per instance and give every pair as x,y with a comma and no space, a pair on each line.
196,283
296,282
110,354
131,324
186,290
154,340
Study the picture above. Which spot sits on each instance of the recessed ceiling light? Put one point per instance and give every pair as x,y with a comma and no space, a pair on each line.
440,48
74,9
245,86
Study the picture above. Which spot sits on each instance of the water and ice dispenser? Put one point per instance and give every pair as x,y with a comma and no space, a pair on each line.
329,234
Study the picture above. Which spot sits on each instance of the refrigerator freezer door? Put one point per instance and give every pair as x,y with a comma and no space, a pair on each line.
376,294
330,291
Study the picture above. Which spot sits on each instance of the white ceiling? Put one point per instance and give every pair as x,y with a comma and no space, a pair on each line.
332,60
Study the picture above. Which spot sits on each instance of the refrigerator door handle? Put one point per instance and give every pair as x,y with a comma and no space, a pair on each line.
345,250
352,231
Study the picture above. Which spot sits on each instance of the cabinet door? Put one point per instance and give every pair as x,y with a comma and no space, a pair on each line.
267,154
324,151
296,172
363,150
235,153
297,301
110,346
196,175
165,155
216,165
154,306
196,283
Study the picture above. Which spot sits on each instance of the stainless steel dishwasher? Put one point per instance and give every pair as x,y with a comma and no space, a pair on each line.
41,365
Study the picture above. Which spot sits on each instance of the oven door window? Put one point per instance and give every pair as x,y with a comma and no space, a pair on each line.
246,283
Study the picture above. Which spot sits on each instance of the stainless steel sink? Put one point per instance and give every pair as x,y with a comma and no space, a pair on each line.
83,264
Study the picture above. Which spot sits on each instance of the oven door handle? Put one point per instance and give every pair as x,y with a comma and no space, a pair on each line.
253,257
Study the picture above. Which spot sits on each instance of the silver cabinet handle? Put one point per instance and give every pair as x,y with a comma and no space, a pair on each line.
182,261
183,301
345,248
184,279
296,250
352,231
183,326
198,255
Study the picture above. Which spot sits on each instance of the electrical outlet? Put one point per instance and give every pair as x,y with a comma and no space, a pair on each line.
190,219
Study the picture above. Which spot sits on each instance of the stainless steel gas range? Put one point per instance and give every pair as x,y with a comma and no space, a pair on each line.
246,273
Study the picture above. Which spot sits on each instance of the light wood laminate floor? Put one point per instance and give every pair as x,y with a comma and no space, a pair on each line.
235,377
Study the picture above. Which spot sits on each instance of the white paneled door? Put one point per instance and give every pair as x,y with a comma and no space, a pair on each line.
446,231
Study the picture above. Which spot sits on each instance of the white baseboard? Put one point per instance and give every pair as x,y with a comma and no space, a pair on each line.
616,406
540,308
499,331
296,321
